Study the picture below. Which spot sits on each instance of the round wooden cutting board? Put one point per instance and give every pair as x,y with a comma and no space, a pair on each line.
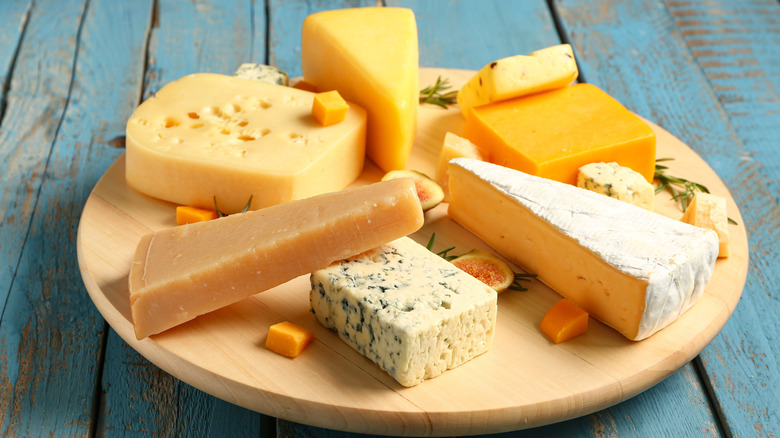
523,381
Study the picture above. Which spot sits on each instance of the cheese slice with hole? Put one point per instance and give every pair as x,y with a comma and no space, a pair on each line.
209,136
186,271
632,269
370,56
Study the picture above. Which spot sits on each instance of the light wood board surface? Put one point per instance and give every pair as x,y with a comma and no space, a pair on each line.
523,381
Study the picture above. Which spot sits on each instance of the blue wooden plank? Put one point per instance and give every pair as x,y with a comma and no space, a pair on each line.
285,21
671,78
13,17
139,399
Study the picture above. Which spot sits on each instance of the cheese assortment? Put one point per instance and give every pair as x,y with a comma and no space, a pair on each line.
186,271
410,311
554,133
632,269
520,75
208,136
370,56
616,181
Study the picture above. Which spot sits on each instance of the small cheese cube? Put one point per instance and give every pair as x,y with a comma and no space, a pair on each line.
263,73
564,321
288,339
454,146
709,211
554,133
329,108
519,75
186,214
410,311
616,181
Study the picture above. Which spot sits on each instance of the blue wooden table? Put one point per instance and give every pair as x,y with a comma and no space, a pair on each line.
71,72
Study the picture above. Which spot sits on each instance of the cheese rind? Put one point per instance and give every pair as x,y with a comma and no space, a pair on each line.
207,135
410,311
370,56
634,270
186,271
519,75
553,133
616,181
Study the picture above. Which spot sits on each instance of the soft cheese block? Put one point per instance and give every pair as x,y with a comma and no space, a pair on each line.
519,75
634,270
186,271
616,181
370,56
554,133
410,311
209,136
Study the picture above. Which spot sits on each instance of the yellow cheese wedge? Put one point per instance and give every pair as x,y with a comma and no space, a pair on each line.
207,135
709,211
370,56
186,271
507,78
554,133
454,146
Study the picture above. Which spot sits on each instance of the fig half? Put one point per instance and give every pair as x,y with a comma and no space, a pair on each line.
430,193
486,268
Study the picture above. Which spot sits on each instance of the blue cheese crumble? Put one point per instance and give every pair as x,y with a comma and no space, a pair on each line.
411,312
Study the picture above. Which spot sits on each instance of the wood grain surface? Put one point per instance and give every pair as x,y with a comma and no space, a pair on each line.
333,386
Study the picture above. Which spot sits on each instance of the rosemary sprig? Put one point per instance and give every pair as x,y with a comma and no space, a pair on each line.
243,210
682,190
444,253
516,285
436,94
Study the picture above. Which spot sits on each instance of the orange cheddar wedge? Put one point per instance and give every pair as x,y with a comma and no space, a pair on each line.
182,272
554,133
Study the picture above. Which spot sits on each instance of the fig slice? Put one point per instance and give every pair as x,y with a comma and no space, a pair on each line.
429,192
486,268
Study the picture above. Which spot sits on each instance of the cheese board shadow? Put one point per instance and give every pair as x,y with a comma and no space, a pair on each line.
523,381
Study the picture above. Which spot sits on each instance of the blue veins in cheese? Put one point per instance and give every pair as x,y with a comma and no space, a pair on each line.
632,269
408,310
262,73
616,181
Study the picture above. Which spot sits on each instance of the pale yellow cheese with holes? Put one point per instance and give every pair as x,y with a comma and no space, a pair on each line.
632,269
370,56
208,135
186,271
709,211
520,75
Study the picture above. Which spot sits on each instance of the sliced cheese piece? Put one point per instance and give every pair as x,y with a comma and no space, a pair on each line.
370,56
635,270
709,211
519,75
616,181
262,73
454,146
180,273
207,135
554,133
410,311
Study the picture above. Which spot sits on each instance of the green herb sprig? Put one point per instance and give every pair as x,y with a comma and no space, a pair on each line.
243,210
682,190
437,94
445,254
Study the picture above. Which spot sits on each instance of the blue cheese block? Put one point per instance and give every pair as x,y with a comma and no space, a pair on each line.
410,311
616,181
262,73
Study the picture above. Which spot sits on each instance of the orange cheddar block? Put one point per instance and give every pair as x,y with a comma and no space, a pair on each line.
182,272
564,321
554,133
288,339
187,214
329,108
305,86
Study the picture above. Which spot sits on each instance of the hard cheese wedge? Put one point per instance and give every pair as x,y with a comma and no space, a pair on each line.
180,273
554,133
207,135
635,270
370,56
516,76
407,309
709,211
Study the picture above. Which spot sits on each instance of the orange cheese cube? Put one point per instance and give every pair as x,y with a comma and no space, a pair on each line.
554,133
564,321
329,108
288,339
187,214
